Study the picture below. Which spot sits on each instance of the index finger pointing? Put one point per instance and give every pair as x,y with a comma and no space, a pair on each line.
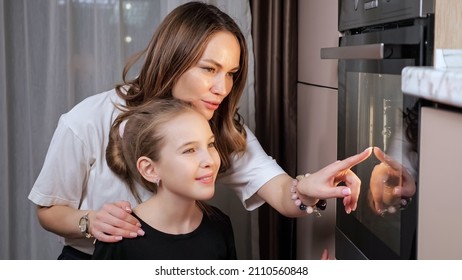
353,160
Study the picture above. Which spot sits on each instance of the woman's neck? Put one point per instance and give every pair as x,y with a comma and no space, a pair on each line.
170,213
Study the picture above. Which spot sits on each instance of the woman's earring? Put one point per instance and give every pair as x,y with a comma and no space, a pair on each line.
157,181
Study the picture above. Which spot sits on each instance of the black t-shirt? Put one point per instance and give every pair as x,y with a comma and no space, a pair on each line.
212,240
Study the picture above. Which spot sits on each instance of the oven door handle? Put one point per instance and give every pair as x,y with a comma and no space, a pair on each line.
370,51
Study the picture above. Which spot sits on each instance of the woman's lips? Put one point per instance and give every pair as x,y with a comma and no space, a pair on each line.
211,105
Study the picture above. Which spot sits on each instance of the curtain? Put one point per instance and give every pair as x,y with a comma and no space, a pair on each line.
53,54
274,29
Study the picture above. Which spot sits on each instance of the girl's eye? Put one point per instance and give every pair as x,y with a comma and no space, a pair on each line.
212,145
189,151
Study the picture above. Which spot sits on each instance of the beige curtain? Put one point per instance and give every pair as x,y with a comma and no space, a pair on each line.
274,30
53,54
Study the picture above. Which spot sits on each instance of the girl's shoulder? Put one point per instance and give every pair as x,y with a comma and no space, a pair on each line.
214,214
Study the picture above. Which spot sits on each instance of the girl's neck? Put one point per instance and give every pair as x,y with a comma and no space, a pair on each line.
170,213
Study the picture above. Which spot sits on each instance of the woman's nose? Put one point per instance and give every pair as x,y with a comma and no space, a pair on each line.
220,85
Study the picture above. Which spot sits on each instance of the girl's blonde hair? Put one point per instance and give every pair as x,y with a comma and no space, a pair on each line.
139,132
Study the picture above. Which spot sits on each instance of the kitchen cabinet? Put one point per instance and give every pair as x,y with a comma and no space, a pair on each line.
316,148
439,226
317,28
316,115
448,38
447,32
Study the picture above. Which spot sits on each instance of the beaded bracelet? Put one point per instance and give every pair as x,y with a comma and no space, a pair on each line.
319,206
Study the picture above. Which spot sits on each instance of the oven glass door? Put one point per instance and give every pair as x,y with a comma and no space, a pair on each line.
379,115
373,111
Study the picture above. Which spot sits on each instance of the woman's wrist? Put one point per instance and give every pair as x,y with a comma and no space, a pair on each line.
307,204
85,224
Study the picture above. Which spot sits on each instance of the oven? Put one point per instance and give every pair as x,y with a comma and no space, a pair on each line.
380,38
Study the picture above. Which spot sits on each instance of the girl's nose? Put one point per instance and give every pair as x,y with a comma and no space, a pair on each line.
207,160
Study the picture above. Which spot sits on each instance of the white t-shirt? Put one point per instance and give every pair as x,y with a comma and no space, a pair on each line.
75,172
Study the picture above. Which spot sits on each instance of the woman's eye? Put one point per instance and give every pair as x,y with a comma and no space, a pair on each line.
231,74
212,145
209,69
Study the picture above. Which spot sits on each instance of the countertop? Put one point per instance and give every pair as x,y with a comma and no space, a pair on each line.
443,85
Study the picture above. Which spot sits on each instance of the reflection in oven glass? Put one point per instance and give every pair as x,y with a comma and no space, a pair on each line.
379,115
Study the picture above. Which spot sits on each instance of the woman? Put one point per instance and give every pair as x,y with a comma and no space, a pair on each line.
198,55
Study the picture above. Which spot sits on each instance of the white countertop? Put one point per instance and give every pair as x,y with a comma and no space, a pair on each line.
443,85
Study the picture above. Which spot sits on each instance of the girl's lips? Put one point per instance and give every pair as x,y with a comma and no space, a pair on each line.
206,179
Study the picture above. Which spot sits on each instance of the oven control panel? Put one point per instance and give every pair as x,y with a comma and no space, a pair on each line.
362,13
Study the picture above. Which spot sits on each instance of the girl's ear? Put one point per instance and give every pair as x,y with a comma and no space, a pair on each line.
147,169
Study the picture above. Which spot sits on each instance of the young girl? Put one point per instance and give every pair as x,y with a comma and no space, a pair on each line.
169,148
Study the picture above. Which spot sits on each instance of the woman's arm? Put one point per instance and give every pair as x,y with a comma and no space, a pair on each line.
110,224
319,185
276,192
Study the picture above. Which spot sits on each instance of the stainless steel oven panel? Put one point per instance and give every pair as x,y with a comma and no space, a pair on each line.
361,13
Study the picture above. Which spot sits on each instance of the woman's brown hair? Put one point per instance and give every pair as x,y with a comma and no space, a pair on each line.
176,46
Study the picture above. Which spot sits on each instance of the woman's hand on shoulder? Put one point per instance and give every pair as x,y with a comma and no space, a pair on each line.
113,222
